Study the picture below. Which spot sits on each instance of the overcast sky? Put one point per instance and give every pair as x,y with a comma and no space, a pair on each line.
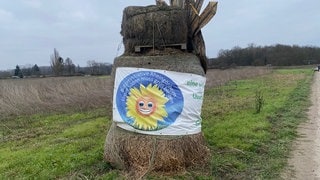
89,29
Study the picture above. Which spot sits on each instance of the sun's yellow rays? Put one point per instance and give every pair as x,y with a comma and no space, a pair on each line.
146,106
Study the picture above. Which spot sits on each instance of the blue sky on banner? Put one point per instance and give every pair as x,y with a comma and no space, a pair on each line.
89,30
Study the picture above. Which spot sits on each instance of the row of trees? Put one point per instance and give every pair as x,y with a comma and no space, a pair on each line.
34,71
276,55
58,67
66,67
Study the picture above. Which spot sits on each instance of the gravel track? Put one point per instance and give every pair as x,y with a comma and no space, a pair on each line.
304,160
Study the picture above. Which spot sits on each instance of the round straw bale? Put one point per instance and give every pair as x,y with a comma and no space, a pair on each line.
140,154
155,26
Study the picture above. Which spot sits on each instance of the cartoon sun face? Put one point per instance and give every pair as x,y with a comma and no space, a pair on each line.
146,106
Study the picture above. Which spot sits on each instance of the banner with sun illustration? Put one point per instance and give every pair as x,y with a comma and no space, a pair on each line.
158,102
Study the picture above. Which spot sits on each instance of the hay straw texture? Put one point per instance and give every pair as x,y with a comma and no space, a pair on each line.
154,26
179,62
141,154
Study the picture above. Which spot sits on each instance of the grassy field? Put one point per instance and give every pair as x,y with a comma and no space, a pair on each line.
250,145
67,142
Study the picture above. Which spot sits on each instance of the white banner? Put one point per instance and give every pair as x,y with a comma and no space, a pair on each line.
158,102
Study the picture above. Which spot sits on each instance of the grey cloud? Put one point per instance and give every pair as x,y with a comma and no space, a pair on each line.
85,30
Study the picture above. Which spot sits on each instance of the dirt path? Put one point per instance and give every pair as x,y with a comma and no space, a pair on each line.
304,161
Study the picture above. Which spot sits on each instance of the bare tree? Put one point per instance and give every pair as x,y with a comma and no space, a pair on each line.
69,67
56,63
98,68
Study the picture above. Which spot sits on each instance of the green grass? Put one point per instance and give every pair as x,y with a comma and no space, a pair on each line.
250,145
244,144
51,146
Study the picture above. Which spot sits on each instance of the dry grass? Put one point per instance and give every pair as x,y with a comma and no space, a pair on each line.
31,96
217,77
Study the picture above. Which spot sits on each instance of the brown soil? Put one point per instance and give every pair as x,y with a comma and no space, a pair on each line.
304,160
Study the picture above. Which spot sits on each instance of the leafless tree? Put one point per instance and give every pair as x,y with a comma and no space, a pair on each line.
69,67
56,63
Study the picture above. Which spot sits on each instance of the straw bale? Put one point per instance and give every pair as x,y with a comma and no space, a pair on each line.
170,60
154,26
140,154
